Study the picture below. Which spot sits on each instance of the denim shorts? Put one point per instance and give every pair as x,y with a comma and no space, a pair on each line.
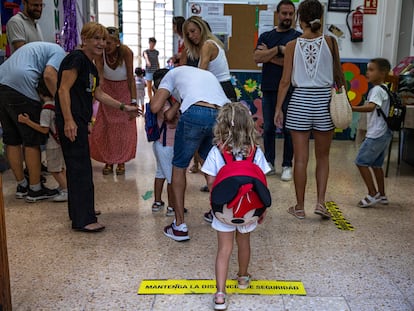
194,132
372,151
149,75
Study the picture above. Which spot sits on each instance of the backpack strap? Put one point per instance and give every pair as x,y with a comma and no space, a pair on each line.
379,109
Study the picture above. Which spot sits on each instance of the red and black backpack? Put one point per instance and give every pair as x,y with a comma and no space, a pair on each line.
239,195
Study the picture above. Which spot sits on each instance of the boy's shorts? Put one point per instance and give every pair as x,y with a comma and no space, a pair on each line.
194,132
13,103
55,160
164,156
372,151
222,227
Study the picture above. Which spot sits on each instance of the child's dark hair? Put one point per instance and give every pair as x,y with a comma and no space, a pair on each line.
42,88
285,2
139,71
310,12
152,39
382,63
158,75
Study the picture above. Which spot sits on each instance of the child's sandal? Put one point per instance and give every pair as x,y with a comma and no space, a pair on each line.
243,282
157,206
219,301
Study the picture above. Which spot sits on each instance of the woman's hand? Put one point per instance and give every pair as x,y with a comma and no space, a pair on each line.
71,130
133,111
279,118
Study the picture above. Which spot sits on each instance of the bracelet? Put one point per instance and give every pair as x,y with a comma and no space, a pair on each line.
122,107
133,101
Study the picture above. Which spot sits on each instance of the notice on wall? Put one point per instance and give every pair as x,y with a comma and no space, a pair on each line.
207,9
220,24
266,21
370,6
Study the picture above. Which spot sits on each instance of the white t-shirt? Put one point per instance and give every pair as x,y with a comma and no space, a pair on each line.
47,119
215,161
194,85
376,125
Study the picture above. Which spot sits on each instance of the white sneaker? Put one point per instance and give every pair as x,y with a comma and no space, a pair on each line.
286,173
272,170
61,197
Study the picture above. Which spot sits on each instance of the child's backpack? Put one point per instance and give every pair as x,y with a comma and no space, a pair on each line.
239,195
396,113
152,129
53,134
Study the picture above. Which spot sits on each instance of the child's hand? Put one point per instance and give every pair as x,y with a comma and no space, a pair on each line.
23,118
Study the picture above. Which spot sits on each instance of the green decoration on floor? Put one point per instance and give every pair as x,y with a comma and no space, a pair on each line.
147,195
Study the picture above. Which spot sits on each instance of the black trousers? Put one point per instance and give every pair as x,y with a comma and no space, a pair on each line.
81,200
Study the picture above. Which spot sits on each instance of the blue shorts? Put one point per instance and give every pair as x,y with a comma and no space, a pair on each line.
194,131
372,151
149,75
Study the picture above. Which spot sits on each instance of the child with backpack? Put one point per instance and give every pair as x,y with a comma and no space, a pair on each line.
235,135
163,148
372,151
54,156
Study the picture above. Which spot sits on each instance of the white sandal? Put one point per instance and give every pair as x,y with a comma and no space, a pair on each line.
368,201
243,282
222,305
382,199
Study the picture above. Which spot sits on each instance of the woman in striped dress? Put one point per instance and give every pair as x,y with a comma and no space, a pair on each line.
308,65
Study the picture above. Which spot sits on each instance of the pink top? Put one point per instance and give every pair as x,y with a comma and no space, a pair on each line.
171,126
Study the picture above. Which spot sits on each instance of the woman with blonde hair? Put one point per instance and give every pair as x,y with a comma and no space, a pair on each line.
309,65
78,85
201,44
113,139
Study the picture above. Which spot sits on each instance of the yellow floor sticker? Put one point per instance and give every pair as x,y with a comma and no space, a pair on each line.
337,217
257,287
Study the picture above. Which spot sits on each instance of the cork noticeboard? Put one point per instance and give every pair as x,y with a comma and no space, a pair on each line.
243,40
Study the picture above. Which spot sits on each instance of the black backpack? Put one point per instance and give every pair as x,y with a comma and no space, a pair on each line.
396,113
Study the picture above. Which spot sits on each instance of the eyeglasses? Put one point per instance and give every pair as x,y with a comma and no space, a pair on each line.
36,5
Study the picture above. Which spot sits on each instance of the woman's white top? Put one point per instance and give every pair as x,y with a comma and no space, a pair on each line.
219,66
312,63
117,74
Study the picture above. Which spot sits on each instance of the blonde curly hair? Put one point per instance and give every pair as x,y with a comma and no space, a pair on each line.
235,130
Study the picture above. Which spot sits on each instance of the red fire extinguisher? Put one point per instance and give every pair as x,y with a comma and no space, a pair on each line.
356,31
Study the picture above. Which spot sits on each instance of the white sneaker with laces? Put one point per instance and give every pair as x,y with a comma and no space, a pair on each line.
61,197
286,173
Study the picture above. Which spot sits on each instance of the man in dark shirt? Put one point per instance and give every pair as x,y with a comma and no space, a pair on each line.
270,51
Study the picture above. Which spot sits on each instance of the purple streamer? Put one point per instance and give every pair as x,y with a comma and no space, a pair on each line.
69,32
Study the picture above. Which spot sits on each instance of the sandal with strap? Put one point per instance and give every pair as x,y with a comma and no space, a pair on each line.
368,201
322,211
243,281
157,206
108,169
219,301
298,213
120,169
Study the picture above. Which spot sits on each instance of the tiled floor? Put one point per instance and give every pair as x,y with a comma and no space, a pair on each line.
371,268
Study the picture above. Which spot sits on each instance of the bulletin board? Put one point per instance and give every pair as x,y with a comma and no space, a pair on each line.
243,40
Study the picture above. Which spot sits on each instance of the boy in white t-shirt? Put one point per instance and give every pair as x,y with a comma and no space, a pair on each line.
54,156
372,151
